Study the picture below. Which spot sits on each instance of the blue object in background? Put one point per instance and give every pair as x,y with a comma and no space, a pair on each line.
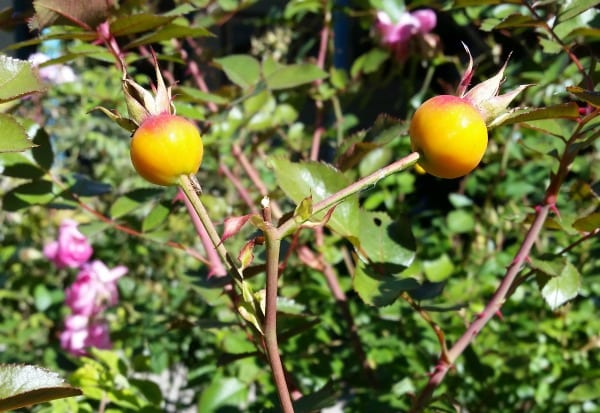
341,38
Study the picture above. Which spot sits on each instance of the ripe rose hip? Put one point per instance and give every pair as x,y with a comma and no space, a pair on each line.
450,135
165,147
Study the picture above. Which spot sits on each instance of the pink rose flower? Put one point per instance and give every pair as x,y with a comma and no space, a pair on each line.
71,249
397,34
94,288
82,332
57,73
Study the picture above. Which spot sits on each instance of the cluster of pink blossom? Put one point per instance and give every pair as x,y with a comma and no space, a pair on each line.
92,292
397,32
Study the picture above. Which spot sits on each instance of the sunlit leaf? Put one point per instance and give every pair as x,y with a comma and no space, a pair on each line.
562,288
294,75
13,138
575,8
386,244
243,70
301,180
439,269
222,392
568,110
25,385
17,79
157,216
379,290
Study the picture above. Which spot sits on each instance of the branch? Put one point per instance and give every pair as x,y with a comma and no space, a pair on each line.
291,225
490,310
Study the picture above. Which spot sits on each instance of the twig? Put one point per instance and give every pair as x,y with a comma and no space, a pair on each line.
291,225
490,310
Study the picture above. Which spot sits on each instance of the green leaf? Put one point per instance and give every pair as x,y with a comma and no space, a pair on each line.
222,392
42,153
137,23
460,221
131,201
586,391
31,193
24,385
588,223
156,217
17,165
301,180
558,290
384,243
17,79
589,96
439,269
459,200
575,8
13,138
301,7
195,95
568,110
294,75
379,290
243,70
83,186
168,32
517,20
326,396
369,62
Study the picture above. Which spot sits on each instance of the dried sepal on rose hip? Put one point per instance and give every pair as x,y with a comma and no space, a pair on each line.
164,146
451,132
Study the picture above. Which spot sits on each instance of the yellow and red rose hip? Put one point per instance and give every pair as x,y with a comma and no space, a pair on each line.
450,135
164,147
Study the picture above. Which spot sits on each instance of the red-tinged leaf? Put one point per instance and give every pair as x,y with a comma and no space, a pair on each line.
86,14
233,225
246,255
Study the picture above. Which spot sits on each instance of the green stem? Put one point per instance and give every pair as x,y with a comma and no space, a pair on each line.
273,247
291,225
186,185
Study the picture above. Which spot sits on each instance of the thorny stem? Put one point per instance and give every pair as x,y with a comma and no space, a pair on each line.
215,264
490,310
186,185
291,225
273,247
